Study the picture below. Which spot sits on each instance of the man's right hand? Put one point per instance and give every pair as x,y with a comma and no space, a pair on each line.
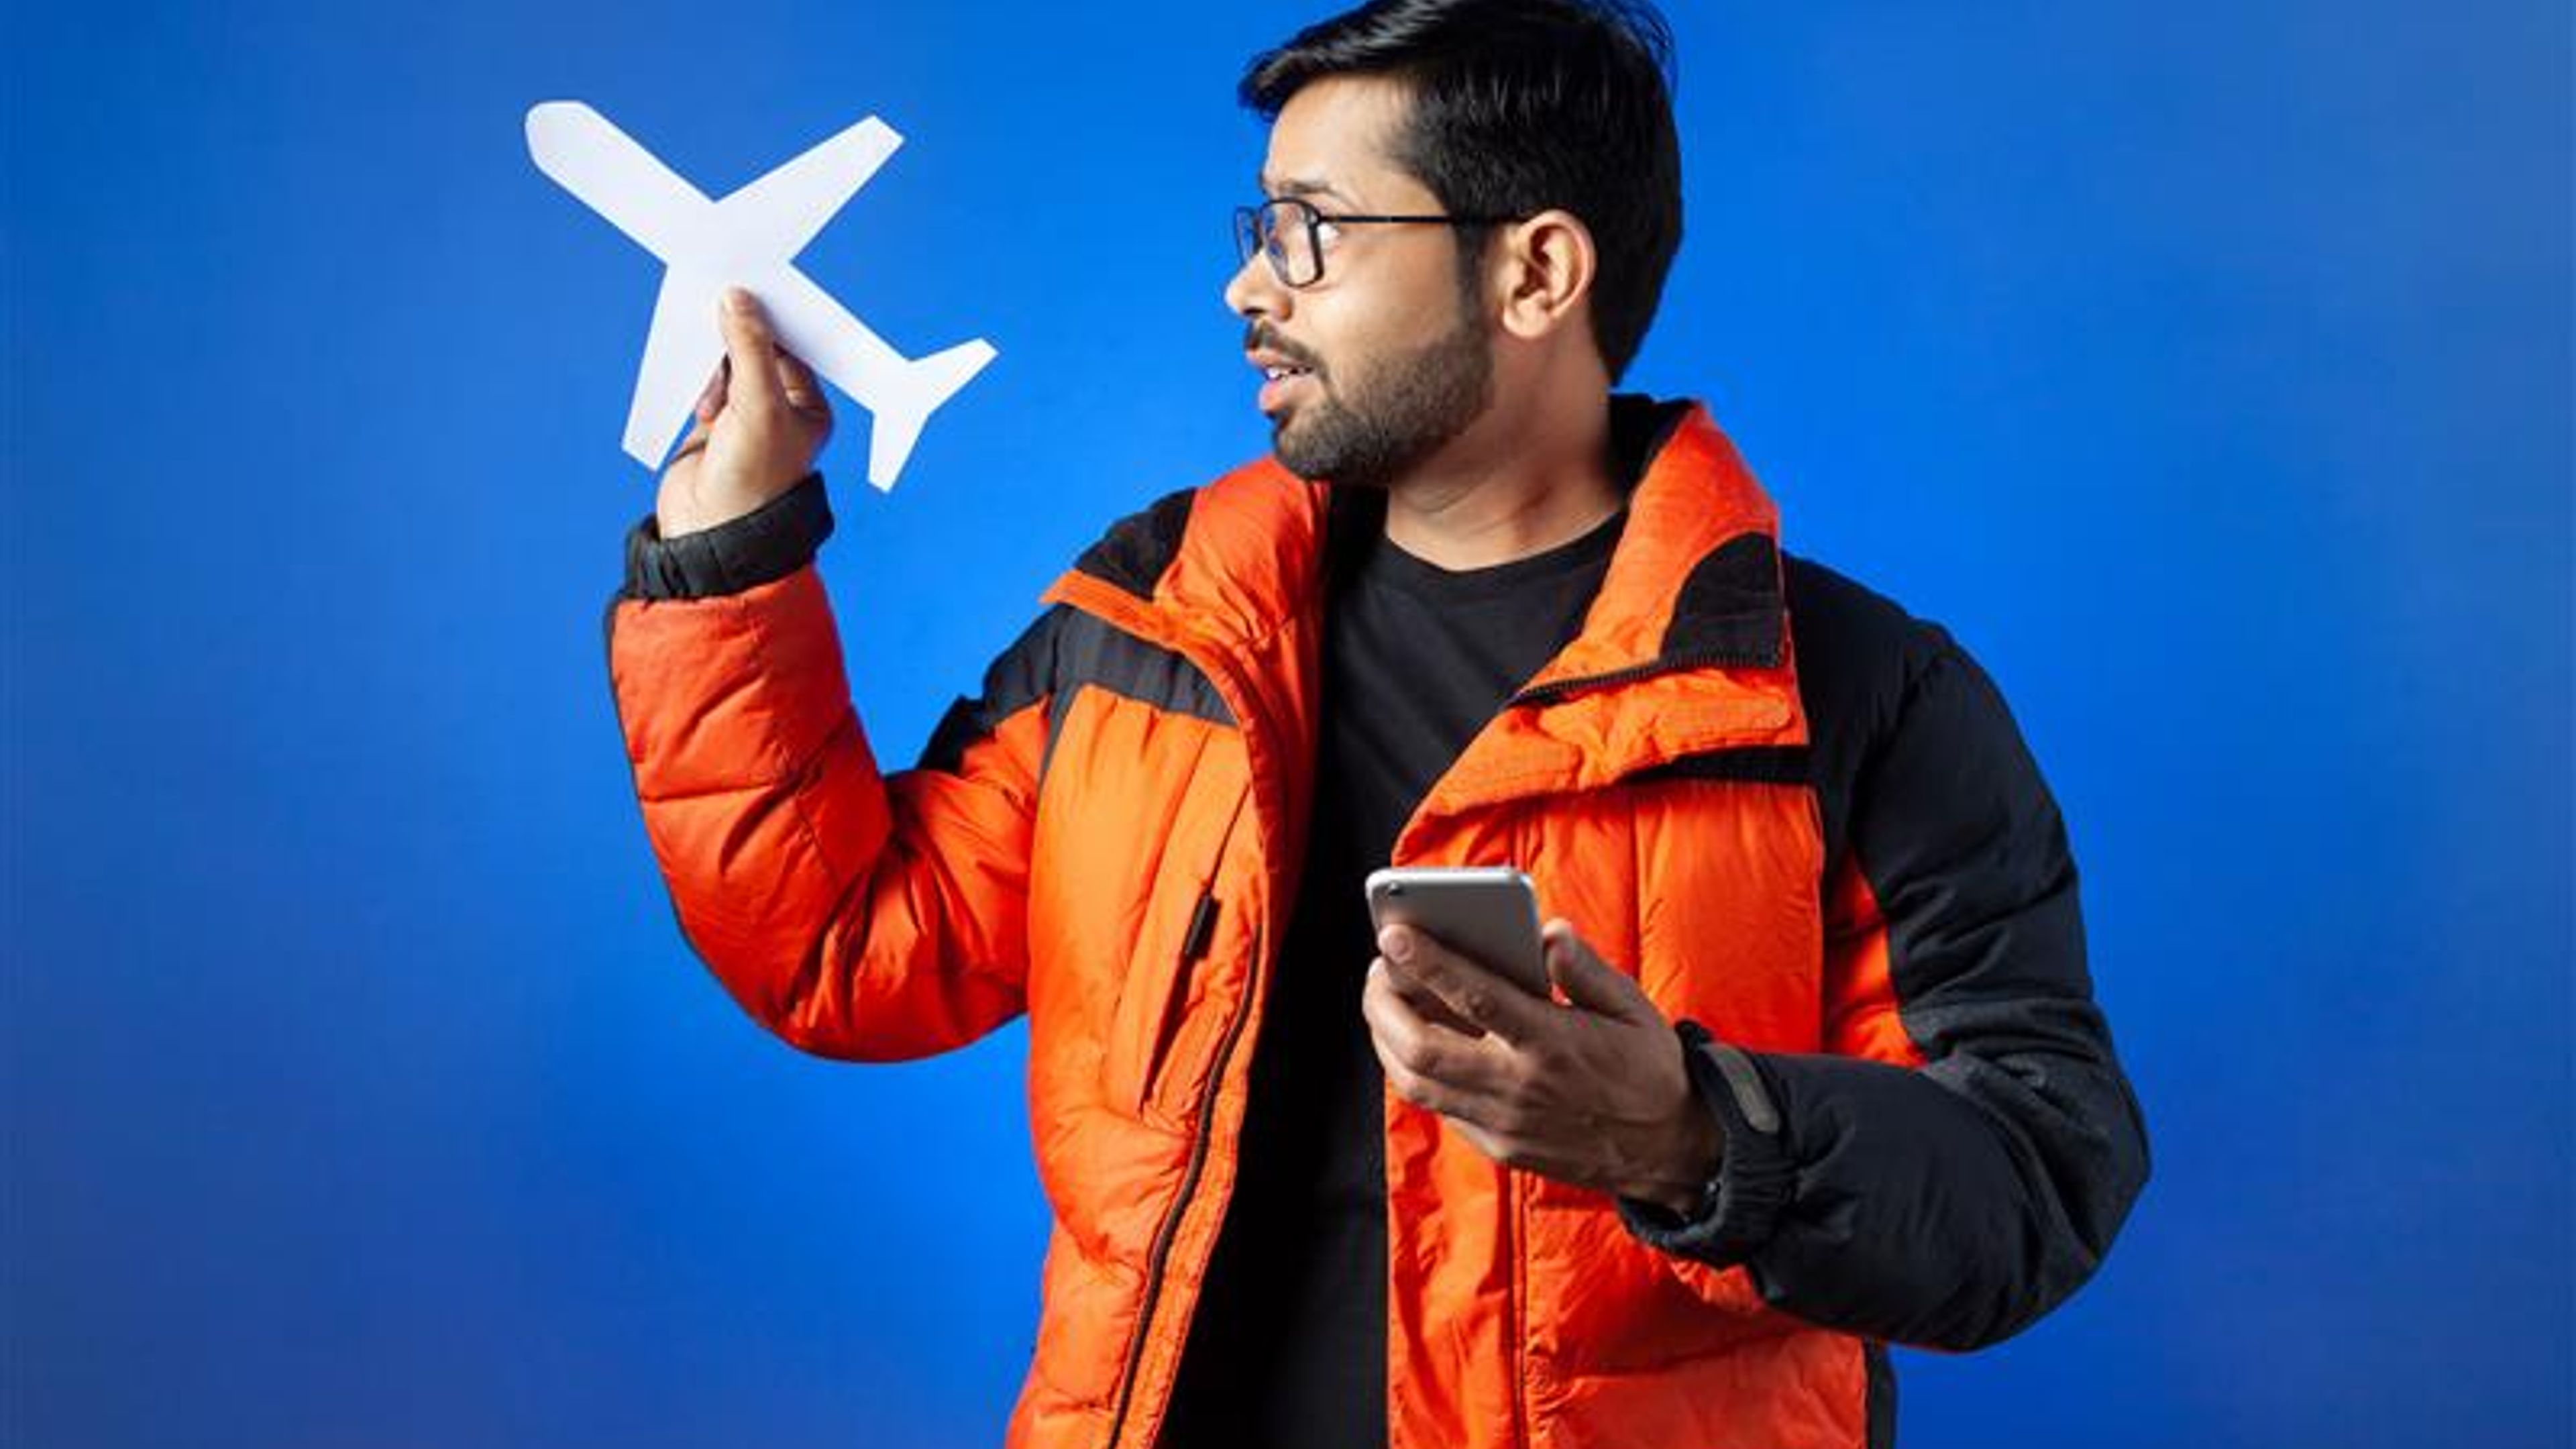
758,427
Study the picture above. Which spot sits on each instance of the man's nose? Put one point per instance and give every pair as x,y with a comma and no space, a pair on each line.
1254,290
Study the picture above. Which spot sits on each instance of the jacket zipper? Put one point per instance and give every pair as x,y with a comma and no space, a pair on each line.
1202,924
1517,1215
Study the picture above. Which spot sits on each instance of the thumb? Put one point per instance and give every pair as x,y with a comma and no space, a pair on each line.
753,383
1588,981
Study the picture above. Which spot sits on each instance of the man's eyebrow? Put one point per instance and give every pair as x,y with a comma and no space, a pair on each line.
1298,187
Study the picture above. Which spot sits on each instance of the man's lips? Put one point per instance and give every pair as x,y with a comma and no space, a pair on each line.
1282,373
1276,392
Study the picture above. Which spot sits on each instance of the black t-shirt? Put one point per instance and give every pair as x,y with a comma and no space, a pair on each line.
1288,1345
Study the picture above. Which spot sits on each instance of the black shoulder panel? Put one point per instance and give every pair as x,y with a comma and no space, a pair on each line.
1064,652
1138,548
1728,610
1021,676
1857,655
1094,653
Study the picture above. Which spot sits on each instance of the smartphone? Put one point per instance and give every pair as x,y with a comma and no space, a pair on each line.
1488,914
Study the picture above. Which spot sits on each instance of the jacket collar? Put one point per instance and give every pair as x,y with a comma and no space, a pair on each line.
1695,578
1690,609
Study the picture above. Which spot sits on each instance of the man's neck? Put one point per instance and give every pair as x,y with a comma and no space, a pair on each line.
1506,492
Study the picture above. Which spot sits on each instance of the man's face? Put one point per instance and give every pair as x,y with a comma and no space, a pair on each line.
1397,359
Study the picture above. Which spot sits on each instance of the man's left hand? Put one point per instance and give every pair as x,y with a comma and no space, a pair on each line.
1591,1090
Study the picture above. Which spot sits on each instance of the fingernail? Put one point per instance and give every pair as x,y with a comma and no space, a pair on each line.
737,300
1398,943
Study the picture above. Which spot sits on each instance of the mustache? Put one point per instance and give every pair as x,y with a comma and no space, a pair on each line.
1259,338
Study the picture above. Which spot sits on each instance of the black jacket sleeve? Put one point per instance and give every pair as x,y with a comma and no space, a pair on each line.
1951,1205
764,545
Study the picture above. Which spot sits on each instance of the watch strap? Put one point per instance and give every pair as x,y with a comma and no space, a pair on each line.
1742,1202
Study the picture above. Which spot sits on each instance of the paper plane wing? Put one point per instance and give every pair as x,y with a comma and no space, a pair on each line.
680,355
774,217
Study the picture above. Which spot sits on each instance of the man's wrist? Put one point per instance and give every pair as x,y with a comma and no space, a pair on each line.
1754,1178
767,544
1687,1169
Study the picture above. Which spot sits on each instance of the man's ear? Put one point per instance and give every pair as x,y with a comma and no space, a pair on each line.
1542,270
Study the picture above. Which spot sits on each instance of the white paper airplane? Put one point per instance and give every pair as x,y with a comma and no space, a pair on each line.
750,239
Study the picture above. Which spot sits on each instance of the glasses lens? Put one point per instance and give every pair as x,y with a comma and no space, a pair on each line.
1296,246
1282,232
1247,233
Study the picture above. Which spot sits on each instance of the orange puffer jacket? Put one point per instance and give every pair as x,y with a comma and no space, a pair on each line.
1108,840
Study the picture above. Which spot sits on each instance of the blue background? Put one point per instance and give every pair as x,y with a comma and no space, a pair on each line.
2207,369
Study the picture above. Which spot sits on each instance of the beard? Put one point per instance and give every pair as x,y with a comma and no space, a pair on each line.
1394,415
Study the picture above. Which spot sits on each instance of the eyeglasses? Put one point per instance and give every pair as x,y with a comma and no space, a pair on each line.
1290,233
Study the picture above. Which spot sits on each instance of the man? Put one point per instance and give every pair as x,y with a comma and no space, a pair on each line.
1820,1071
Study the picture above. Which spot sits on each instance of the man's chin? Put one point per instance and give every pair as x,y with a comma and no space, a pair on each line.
1284,446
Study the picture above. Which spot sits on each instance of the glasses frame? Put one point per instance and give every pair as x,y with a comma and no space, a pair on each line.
1248,232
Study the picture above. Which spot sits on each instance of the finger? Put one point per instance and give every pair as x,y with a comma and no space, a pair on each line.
749,349
1456,1103
1420,1048
711,399
692,441
797,383
1485,999
1421,1092
1426,1004
1590,982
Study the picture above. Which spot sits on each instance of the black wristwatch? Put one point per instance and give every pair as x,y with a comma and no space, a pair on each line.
1741,1202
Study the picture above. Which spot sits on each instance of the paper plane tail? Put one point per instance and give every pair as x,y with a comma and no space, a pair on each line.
903,406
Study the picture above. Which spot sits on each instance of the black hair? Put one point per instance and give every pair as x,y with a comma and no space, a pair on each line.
1519,106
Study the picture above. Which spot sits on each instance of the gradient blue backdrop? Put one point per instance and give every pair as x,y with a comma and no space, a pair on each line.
2207,369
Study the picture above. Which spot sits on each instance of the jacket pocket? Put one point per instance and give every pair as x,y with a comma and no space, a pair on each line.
1154,1014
